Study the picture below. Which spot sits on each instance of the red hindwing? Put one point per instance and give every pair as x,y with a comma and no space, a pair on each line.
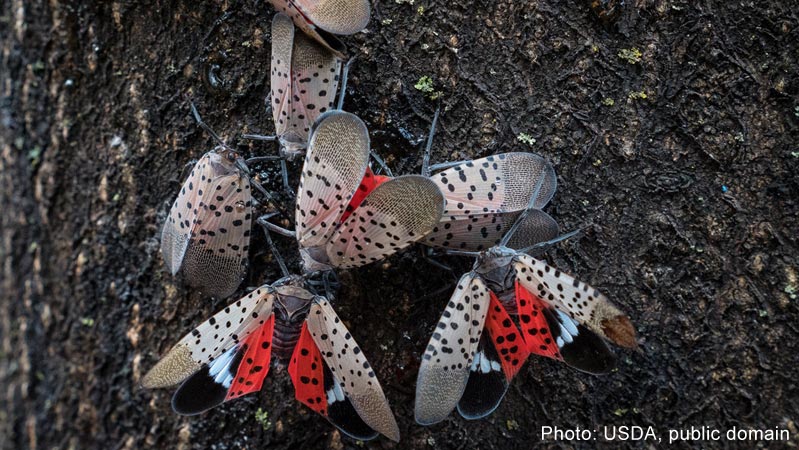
255,363
535,328
505,336
307,374
368,184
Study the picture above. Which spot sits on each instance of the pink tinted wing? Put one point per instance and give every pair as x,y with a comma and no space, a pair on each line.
446,363
281,78
338,153
578,300
216,257
368,184
486,196
314,82
302,22
176,232
212,338
350,374
503,182
481,231
394,215
336,16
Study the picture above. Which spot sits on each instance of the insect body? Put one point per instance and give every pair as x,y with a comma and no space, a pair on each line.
322,19
484,198
207,233
477,349
230,354
559,317
394,215
304,81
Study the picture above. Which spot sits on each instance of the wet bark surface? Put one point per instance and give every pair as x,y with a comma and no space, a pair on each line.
673,130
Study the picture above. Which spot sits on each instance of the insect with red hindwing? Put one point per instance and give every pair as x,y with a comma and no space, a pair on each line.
230,354
322,19
393,216
483,197
207,233
476,348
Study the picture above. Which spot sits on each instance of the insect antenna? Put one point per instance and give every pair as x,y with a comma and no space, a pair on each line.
551,242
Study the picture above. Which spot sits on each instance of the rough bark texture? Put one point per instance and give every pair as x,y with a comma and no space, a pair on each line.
681,166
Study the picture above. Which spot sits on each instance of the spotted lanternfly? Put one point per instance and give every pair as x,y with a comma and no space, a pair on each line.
207,234
304,80
322,19
484,198
391,217
559,317
230,354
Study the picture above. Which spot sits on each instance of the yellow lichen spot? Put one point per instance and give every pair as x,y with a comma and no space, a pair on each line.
630,55
639,95
526,139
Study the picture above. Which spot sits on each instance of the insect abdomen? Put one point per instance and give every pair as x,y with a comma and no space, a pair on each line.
285,337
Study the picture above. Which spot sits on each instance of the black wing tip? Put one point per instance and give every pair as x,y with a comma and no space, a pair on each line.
483,395
198,394
426,423
589,353
478,413
189,407
357,436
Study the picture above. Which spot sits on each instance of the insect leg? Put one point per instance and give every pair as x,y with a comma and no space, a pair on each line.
269,197
276,228
284,172
262,221
381,163
259,137
343,90
426,158
205,126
